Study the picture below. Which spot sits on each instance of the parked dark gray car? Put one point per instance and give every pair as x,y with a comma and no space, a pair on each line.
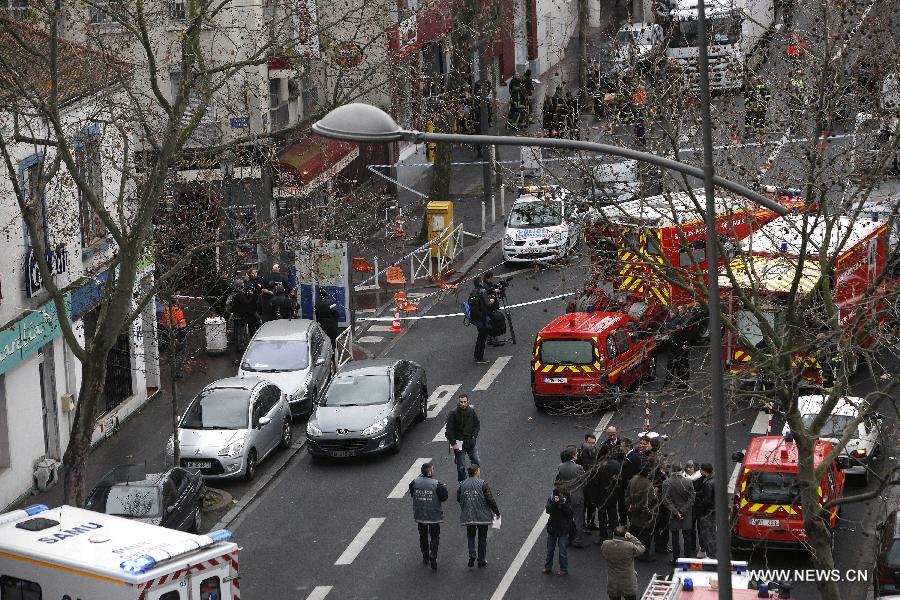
367,407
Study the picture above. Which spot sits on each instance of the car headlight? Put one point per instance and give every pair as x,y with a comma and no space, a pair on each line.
556,236
170,446
858,453
376,428
233,449
508,240
312,429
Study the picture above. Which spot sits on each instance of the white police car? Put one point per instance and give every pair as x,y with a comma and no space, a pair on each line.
543,225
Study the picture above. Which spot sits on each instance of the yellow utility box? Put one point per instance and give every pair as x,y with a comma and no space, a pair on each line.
439,216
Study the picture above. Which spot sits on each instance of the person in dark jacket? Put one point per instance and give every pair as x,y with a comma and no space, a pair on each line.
427,495
327,315
570,475
678,496
642,502
607,498
462,432
705,511
573,111
611,446
631,466
587,458
477,509
279,306
486,301
243,312
277,277
547,115
559,528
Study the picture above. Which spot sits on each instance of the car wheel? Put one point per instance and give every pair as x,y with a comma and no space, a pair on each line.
540,404
423,406
250,469
198,519
396,438
287,434
863,479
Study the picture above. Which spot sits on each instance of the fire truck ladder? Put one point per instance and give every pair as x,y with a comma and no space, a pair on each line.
662,589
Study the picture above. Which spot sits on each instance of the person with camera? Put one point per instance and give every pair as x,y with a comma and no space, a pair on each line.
559,527
498,291
427,495
482,303
620,552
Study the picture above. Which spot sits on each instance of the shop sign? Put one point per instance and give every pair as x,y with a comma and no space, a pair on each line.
29,334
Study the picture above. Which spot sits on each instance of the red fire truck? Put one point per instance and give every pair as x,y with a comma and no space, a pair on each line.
634,242
766,507
858,249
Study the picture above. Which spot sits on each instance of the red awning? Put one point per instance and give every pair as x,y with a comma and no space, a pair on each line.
303,162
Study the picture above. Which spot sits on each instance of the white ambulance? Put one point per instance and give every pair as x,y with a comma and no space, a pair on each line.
70,553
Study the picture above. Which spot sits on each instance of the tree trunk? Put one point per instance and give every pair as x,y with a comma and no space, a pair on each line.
440,176
75,457
584,15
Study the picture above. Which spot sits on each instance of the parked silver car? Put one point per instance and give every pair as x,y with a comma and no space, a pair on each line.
294,354
231,426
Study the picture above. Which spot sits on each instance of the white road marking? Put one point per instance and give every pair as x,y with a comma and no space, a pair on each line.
374,328
516,564
319,592
370,339
439,398
441,435
402,488
607,417
359,542
760,424
734,477
492,373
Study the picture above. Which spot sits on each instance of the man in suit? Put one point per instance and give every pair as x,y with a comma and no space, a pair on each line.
678,497
572,477
587,458
611,446
631,466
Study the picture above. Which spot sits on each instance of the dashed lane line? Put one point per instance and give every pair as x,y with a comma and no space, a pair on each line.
732,482
370,339
489,377
440,397
401,488
319,592
517,562
359,542
761,424
604,421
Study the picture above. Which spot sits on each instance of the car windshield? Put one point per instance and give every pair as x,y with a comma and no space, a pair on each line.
834,427
567,352
133,501
892,556
749,326
526,215
218,408
773,488
273,356
725,29
358,390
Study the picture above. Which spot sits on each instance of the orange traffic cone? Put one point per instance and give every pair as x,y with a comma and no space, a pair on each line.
395,326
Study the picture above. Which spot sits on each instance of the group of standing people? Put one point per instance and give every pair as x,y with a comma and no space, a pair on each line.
478,509
634,499
521,92
468,112
561,115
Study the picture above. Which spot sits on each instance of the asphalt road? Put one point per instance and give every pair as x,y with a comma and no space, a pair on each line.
344,529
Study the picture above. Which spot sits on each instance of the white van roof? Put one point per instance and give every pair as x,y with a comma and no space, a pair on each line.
99,544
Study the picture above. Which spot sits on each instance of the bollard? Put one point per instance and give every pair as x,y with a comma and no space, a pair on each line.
503,202
483,217
493,209
647,412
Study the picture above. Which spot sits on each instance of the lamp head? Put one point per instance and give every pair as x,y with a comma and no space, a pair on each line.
358,122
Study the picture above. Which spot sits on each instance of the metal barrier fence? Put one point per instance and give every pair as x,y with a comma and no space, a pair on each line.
343,352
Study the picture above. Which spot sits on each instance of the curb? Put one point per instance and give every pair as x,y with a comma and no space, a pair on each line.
253,493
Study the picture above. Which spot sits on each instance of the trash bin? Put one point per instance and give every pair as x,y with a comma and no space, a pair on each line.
216,335
439,216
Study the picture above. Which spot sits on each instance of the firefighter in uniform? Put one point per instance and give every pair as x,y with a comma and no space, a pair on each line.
173,322
796,98
756,104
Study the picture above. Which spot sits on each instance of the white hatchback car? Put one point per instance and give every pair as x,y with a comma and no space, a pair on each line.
862,446
543,225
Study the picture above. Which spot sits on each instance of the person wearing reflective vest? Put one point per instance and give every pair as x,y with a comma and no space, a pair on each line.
477,509
427,495
173,322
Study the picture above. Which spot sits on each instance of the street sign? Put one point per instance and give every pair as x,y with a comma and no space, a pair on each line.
240,122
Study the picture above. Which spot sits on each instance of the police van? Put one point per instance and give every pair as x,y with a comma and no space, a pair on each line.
543,225
70,553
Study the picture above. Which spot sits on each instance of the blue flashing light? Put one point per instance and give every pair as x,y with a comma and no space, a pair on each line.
788,436
763,591
687,585
138,565
739,569
220,535
35,509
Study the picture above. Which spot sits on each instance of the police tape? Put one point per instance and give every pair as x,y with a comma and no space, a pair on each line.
459,314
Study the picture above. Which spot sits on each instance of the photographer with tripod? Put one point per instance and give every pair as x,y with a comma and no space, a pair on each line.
498,292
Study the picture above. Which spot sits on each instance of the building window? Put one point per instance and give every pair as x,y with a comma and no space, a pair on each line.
107,11
88,158
17,9
118,385
178,9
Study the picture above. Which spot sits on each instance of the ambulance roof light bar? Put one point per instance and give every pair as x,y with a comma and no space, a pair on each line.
738,567
145,562
780,191
28,511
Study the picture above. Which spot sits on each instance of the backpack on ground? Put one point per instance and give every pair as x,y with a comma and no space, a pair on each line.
497,323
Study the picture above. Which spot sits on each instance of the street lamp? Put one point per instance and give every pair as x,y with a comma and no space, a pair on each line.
366,123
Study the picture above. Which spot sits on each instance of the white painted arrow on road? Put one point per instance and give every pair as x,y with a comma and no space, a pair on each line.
439,398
